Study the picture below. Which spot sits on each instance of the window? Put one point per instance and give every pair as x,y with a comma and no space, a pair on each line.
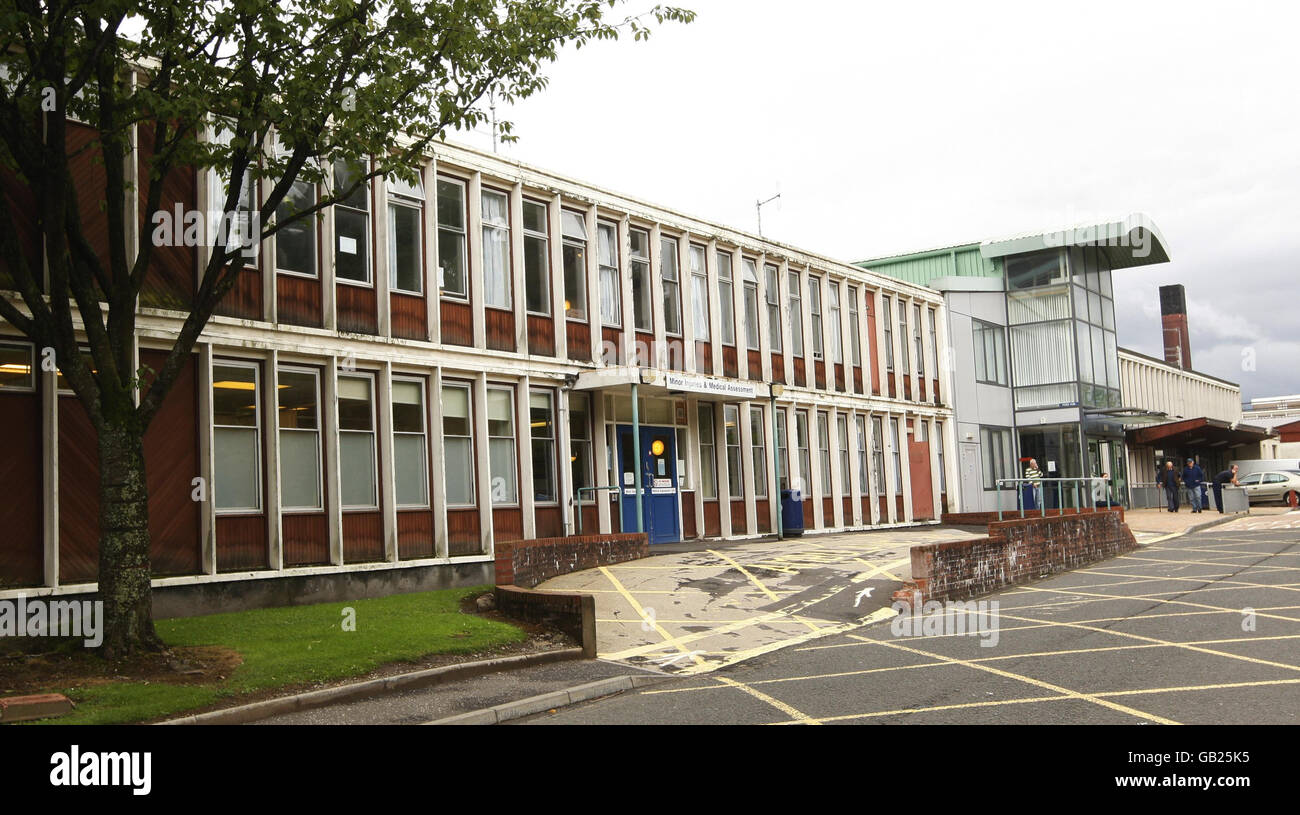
410,443
708,452
771,278
458,445
902,337
995,449
239,227
758,448
672,286
642,318
537,259
934,345
990,342
943,472
726,299
782,454
295,243
575,265
236,433
731,418
751,305
405,235
815,306
887,318
860,424
916,339
580,444
299,412
611,309
496,248
796,314
855,333
837,328
878,454
700,294
357,464
541,417
824,448
452,268
17,367
501,445
846,471
801,445
898,456
352,223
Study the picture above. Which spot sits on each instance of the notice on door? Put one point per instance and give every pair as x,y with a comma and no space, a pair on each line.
663,486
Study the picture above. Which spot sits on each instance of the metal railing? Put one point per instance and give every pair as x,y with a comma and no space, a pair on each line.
577,503
1081,487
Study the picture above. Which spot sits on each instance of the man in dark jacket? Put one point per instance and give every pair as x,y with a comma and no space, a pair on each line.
1168,479
1194,480
1228,476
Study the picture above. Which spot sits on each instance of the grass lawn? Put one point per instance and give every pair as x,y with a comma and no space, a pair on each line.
299,646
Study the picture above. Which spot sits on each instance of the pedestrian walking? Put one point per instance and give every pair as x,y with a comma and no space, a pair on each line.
1034,491
1169,480
1194,479
1228,476
1101,491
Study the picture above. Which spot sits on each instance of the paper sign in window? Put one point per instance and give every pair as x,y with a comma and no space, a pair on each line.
347,246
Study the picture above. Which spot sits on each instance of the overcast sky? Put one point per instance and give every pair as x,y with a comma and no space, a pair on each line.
905,126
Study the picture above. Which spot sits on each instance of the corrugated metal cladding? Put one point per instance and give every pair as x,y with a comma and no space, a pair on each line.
924,267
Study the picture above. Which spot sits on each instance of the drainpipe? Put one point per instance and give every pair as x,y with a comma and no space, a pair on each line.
773,392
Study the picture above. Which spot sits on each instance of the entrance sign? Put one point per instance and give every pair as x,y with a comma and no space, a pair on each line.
709,385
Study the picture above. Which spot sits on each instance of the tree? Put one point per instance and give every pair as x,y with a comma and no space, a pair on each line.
271,90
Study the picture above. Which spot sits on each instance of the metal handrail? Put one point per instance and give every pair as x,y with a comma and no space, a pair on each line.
577,502
1080,483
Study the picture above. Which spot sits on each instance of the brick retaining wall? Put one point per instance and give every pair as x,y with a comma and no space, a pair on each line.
574,614
527,563
1015,552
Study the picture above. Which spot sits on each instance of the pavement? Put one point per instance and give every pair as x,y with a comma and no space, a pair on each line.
1198,629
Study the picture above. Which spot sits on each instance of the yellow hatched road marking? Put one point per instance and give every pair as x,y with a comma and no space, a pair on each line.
669,639
1198,579
794,714
1151,597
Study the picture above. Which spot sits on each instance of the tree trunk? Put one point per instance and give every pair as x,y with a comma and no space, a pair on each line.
124,570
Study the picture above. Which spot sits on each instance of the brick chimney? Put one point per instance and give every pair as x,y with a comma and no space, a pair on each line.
1173,319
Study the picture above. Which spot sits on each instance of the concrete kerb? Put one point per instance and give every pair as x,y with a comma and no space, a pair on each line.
551,701
1196,528
374,687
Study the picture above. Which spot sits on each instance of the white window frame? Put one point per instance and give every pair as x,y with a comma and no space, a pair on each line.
421,383
567,241
462,232
257,429
670,278
487,227
373,432
726,297
405,196
700,292
339,207
320,458
772,278
31,365
545,238
468,388
609,273
640,266
552,441
512,437
753,340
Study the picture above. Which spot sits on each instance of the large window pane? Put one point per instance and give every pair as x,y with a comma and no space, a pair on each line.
671,285
575,265
726,299
611,307
295,243
542,421
452,260
236,462
796,313
501,445
708,455
405,248
537,261
700,294
496,249
356,442
731,417
458,445
758,450
642,316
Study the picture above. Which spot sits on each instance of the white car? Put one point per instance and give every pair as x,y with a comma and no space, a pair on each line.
1273,485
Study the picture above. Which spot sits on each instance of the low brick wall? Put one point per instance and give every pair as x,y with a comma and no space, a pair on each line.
1015,552
572,613
986,518
527,563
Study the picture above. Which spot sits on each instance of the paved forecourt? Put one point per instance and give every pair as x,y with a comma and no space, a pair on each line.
699,610
1203,628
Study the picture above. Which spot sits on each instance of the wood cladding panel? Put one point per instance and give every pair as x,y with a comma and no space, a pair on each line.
22,546
898,504
676,353
738,526
800,373
507,524
828,512
712,519
615,521
643,351
857,380
934,391
244,300
22,212
409,316
839,378
298,300
357,309
577,337
306,539
754,361
415,534
883,501
500,327
730,361
704,357
78,494
819,371
907,388
463,532
764,519
541,336
86,166
169,283
171,455
612,343
778,368
549,522
688,516
241,543
809,522
590,519
363,537
847,504
457,323
866,510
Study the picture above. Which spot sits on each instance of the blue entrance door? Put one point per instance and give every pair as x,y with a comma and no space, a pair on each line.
659,515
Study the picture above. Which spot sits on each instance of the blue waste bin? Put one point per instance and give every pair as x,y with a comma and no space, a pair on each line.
791,513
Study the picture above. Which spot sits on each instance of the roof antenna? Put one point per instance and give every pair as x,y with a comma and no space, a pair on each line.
758,207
